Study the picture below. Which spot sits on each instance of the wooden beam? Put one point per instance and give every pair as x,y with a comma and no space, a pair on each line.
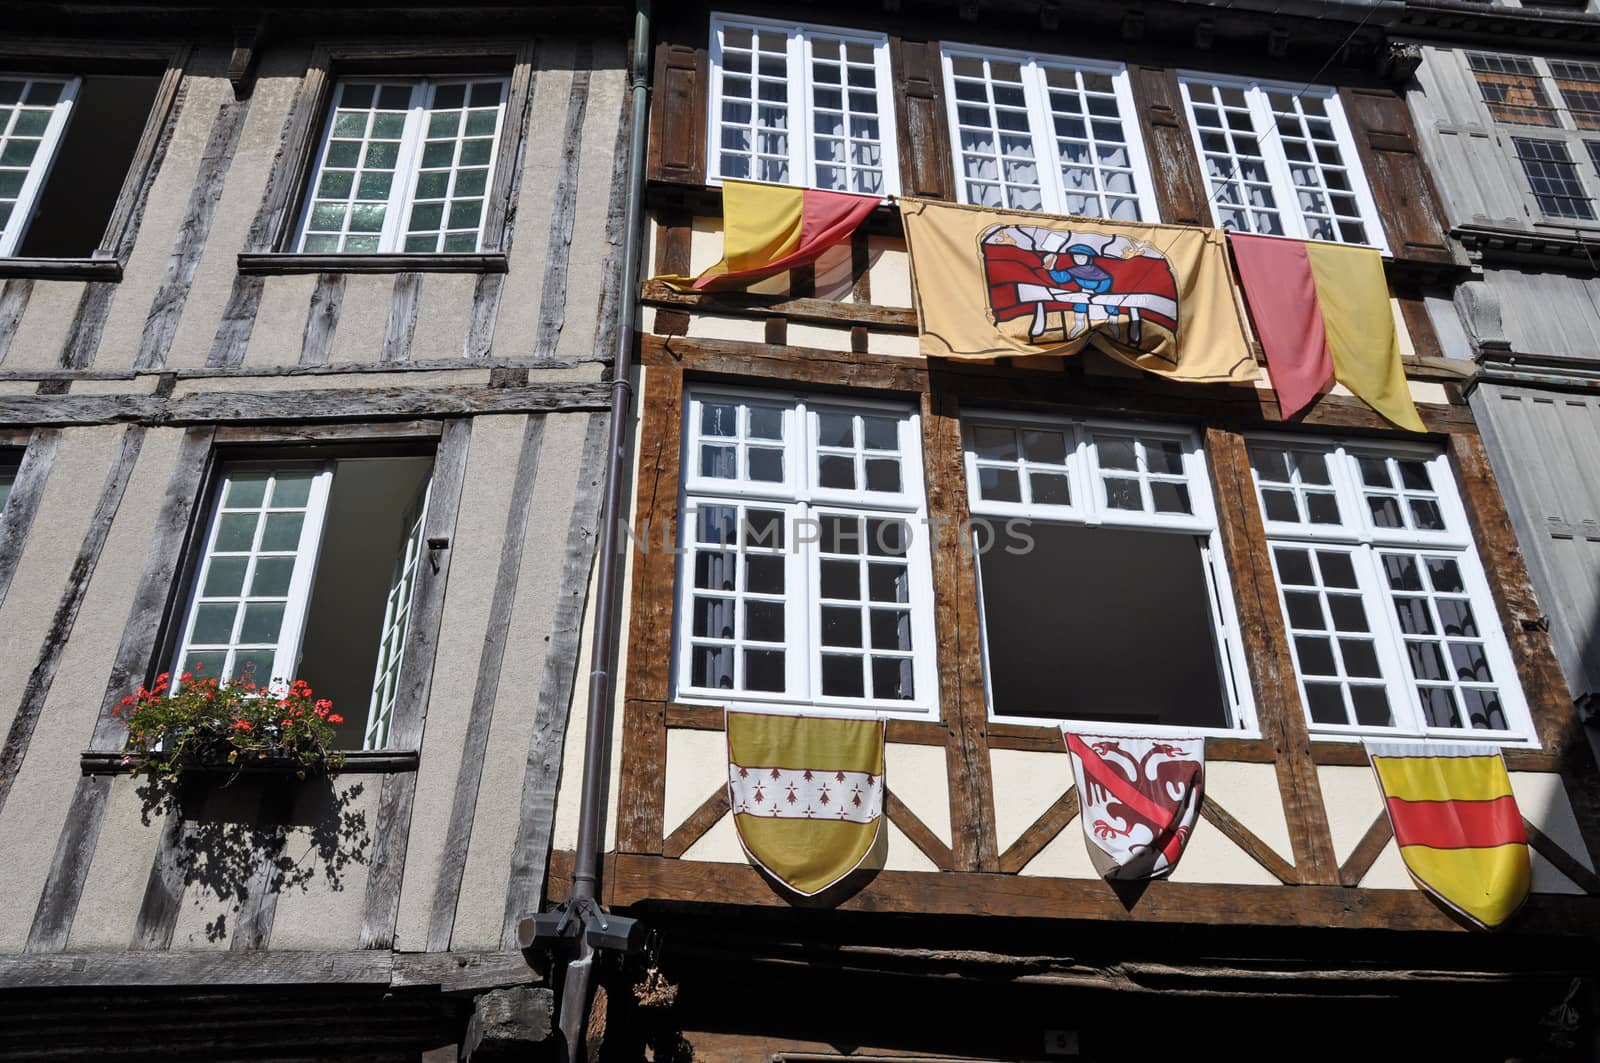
238,322
1246,839
452,971
552,711
326,404
500,208
1031,842
1367,851
402,324
161,323
919,832
386,859
88,324
648,671
14,296
691,830
908,732
563,210
891,319
463,806
634,879
1564,862
322,320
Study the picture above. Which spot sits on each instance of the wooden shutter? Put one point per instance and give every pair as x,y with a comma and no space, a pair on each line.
678,114
1181,191
926,168
1407,201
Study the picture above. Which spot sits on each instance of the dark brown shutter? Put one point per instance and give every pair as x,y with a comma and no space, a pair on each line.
1407,202
1181,191
924,132
678,114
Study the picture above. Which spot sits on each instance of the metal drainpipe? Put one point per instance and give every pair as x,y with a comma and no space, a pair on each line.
597,738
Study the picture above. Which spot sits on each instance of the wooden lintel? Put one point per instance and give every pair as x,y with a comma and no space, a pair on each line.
819,311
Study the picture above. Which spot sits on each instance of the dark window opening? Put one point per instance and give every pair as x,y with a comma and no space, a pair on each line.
1104,624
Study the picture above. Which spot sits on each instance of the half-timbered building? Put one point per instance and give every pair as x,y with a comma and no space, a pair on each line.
1196,561
306,314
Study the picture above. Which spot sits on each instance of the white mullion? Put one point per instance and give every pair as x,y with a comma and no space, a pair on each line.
43,162
287,658
406,171
1133,136
802,153
1393,657
1042,133
888,132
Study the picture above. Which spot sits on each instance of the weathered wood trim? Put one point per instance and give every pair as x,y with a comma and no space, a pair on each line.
1354,755
1564,862
288,263
334,404
1246,839
1048,740
563,210
43,675
905,732
608,318
122,230
659,448
1367,851
918,832
377,432
1031,842
454,971
641,803
632,879
393,821
88,325
63,889
14,296
258,902
500,209
61,269
1555,718
402,317
322,319
356,762
486,295
674,237
26,491
1266,648
821,311
293,158
238,322
161,324
164,886
959,638
691,830
463,807
530,854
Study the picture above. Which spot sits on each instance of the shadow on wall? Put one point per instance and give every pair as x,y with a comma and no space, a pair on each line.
243,841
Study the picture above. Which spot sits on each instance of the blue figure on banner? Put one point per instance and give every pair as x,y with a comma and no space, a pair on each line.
1077,267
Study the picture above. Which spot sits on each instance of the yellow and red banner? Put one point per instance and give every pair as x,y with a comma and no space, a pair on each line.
1457,824
1002,283
1322,313
806,794
767,229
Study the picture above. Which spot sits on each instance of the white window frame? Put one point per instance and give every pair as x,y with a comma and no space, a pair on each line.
1365,541
1565,132
802,156
1089,508
286,658
397,610
407,169
801,498
1276,163
16,226
1041,125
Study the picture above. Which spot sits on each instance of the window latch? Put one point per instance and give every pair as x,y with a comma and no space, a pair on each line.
436,544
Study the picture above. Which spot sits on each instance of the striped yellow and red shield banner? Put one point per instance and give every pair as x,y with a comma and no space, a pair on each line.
1457,824
806,794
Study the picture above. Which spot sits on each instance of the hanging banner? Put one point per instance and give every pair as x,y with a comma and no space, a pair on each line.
1002,283
806,794
1457,824
1322,311
1138,800
767,229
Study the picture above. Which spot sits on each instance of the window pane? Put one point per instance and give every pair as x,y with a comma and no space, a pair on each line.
1553,178
1232,158
1510,86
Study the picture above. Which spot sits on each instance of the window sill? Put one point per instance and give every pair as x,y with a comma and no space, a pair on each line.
82,269
281,263
356,762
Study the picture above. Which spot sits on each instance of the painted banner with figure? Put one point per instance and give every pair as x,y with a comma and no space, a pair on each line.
1457,825
1001,283
1138,798
806,794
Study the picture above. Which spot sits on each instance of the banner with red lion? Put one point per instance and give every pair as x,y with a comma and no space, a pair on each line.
995,283
1138,799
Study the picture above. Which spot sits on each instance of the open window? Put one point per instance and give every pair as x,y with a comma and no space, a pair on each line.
67,144
9,462
307,570
1102,588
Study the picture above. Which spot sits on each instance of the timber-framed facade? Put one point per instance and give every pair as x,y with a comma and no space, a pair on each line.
982,905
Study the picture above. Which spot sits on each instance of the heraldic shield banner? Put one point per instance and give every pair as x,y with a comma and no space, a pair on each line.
1457,824
806,794
1001,283
1139,799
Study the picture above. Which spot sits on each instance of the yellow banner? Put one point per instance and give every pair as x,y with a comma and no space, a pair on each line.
999,283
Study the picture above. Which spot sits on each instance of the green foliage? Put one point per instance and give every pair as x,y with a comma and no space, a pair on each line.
210,725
